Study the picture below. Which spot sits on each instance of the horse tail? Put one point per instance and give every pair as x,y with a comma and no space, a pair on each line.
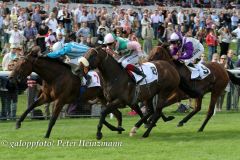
233,78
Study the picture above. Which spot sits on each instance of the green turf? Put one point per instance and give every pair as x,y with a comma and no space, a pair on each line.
219,141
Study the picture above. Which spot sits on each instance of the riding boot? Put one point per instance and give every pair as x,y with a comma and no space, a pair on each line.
136,70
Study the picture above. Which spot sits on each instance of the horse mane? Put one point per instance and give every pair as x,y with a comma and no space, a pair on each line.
55,60
100,47
160,52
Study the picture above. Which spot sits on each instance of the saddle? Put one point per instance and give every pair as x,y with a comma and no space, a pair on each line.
198,71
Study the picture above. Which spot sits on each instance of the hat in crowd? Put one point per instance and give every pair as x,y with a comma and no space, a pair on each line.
145,14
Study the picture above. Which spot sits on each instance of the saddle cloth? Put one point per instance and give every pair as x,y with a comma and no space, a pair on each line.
95,80
199,71
150,70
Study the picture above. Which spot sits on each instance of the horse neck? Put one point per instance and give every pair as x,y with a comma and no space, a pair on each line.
47,73
111,70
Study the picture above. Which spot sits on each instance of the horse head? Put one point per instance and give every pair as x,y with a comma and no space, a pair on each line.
160,52
23,67
95,57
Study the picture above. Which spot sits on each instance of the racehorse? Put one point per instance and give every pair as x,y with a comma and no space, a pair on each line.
121,90
59,85
215,83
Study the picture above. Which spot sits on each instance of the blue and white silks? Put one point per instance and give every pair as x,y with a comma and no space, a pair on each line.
72,50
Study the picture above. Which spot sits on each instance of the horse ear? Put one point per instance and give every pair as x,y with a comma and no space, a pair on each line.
35,51
163,44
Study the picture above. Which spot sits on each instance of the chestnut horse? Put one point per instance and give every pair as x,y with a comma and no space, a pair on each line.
60,86
215,83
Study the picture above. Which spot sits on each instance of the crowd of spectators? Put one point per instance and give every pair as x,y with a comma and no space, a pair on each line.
23,27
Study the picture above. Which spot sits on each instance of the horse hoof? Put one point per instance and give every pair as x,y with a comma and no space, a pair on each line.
99,136
131,134
200,130
133,131
121,129
18,125
180,124
145,135
169,118
46,136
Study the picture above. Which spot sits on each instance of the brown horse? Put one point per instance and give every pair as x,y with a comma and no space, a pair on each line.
215,83
55,75
121,90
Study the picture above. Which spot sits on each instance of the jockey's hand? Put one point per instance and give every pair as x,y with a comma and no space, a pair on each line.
67,59
175,57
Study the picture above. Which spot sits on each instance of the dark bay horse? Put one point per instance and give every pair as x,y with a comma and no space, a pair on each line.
59,85
121,90
215,83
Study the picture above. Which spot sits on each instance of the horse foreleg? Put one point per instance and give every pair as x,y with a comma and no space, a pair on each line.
150,111
157,114
191,114
41,100
57,109
211,108
109,108
155,118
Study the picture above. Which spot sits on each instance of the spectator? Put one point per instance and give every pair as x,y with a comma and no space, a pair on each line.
230,65
234,21
77,15
28,32
225,39
211,41
9,56
155,19
60,38
67,20
215,58
147,35
61,30
11,96
51,22
36,17
40,38
203,59
60,15
92,21
50,39
83,32
168,32
223,62
16,36
236,32
6,26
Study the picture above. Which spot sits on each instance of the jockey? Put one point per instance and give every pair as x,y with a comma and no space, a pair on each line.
186,49
131,50
72,50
